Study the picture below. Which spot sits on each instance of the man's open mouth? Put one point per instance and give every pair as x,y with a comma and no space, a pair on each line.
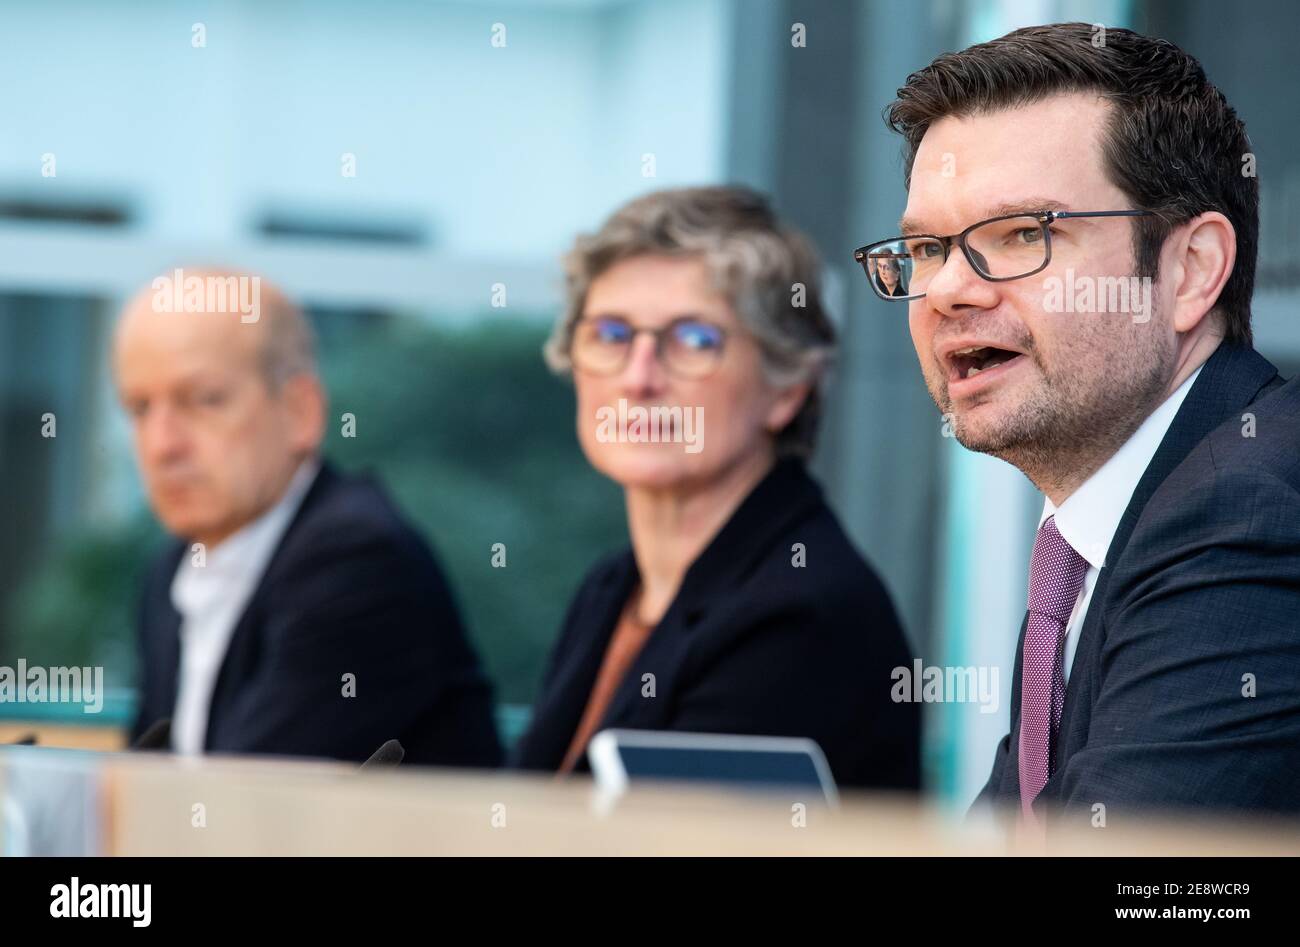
969,362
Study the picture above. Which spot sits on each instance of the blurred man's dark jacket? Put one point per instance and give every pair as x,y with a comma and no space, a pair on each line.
350,590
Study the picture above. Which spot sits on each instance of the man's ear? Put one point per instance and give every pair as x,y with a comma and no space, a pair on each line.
1205,251
305,397
789,402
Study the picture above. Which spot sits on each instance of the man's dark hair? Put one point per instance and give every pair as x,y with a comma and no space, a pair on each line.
1173,145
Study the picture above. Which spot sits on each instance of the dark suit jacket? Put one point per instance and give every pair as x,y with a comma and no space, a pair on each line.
351,589
1201,587
750,645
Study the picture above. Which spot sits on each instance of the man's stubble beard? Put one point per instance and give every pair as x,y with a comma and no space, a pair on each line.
1076,417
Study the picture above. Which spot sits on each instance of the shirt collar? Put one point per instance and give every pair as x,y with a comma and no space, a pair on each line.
240,558
1090,515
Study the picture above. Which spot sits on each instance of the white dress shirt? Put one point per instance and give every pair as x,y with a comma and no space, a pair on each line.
1090,515
212,597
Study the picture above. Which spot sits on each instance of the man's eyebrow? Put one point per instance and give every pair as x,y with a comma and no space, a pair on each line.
910,225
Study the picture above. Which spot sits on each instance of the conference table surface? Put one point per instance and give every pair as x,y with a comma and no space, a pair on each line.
154,804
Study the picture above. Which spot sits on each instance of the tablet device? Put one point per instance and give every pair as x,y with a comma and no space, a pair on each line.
622,757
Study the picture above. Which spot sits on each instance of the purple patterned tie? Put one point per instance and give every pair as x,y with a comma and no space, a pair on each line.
1055,576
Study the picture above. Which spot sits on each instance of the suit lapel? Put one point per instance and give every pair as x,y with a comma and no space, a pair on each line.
1233,377
1009,785
245,645
166,636
787,494
566,696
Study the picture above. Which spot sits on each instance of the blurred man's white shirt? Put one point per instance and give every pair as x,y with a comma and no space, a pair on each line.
211,598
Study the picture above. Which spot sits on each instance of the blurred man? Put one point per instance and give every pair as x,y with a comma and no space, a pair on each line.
1078,250
297,613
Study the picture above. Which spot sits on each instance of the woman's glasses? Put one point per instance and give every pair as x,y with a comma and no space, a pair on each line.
687,347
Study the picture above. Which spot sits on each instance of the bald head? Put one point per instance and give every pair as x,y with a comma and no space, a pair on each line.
217,372
239,310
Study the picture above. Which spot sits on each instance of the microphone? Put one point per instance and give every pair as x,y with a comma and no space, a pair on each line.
157,737
387,756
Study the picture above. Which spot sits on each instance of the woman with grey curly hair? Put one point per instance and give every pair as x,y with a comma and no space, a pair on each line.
698,345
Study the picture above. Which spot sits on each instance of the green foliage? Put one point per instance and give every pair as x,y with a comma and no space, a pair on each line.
79,606
475,439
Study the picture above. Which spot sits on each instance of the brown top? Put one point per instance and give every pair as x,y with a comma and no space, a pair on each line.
626,643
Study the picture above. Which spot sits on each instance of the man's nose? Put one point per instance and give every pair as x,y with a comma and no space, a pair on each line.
165,435
957,289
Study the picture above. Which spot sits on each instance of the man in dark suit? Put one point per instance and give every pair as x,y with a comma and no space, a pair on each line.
297,613
1185,690
1159,661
